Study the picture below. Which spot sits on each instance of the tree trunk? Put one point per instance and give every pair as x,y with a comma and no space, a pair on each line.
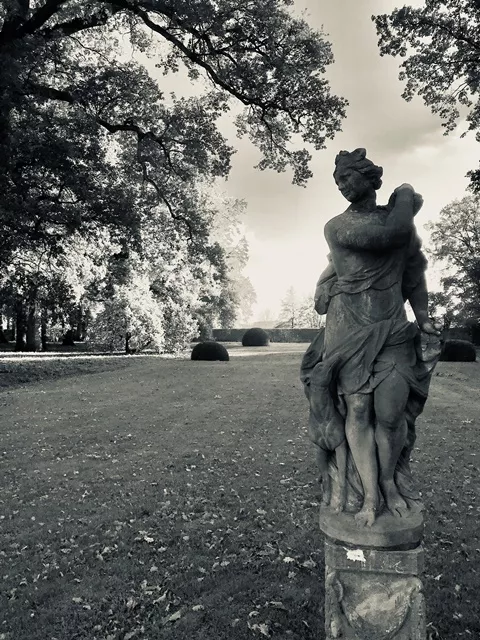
78,333
33,325
11,327
43,330
21,325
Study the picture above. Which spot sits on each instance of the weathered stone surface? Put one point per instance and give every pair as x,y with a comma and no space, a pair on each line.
373,595
386,532
366,374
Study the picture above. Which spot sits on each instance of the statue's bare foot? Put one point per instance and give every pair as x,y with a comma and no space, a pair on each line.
366,516
394,501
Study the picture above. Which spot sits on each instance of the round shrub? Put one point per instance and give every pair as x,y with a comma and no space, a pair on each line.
255,337
458,351
209,350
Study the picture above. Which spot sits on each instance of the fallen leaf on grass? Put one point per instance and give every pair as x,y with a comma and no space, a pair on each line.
261,628
277,605
175,616
309,564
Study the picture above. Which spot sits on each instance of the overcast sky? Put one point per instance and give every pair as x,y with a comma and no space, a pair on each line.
285,223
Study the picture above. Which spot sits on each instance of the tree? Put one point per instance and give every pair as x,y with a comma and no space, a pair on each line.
298,312
237,296
441,307
455,242
81,130
441,46
130,318
308,318
290,309
41,288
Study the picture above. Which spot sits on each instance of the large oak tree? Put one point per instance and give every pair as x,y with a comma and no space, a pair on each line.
88,137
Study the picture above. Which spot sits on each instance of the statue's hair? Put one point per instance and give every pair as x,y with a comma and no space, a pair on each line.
358,161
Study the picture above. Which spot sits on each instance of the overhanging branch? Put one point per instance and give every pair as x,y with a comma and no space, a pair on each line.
191,55
175,216
39,18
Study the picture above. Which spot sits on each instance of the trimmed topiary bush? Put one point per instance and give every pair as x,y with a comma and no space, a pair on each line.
255,337
458,351
209,350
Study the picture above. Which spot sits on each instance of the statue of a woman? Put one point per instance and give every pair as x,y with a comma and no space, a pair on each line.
367,373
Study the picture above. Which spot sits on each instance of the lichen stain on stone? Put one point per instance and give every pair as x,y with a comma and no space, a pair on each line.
356,555
377,605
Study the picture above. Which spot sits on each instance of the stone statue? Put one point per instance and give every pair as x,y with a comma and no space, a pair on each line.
367,373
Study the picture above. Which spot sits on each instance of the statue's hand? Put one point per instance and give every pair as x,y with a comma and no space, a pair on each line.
417,198
417,203
429,327
404,187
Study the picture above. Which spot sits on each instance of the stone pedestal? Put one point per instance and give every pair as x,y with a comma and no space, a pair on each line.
373,594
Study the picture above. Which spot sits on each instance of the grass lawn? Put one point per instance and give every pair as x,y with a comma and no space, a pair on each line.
169,499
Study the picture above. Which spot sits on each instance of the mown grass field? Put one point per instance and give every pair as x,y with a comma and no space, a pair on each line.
169,499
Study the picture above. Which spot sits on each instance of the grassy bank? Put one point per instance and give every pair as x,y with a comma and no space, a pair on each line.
178,500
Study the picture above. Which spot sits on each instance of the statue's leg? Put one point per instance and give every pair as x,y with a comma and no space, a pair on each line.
390,401
361,440
322,461
339,496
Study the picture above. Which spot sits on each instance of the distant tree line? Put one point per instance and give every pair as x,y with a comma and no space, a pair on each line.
98,287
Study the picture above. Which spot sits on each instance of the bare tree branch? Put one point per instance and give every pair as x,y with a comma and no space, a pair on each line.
149,180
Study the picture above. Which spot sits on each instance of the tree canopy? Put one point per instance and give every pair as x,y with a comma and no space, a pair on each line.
440,44
89,137
455,239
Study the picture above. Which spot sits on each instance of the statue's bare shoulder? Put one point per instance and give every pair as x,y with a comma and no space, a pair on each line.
335,224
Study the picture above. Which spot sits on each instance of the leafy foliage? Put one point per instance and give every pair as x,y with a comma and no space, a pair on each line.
130,317
440,42
52,283
90,137
297,312
455,242
237,296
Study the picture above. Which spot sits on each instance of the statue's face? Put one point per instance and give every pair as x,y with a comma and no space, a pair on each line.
353,185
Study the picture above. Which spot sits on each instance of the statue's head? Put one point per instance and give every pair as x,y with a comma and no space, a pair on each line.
355,175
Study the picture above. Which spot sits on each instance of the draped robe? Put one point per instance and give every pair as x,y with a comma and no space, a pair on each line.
367,335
